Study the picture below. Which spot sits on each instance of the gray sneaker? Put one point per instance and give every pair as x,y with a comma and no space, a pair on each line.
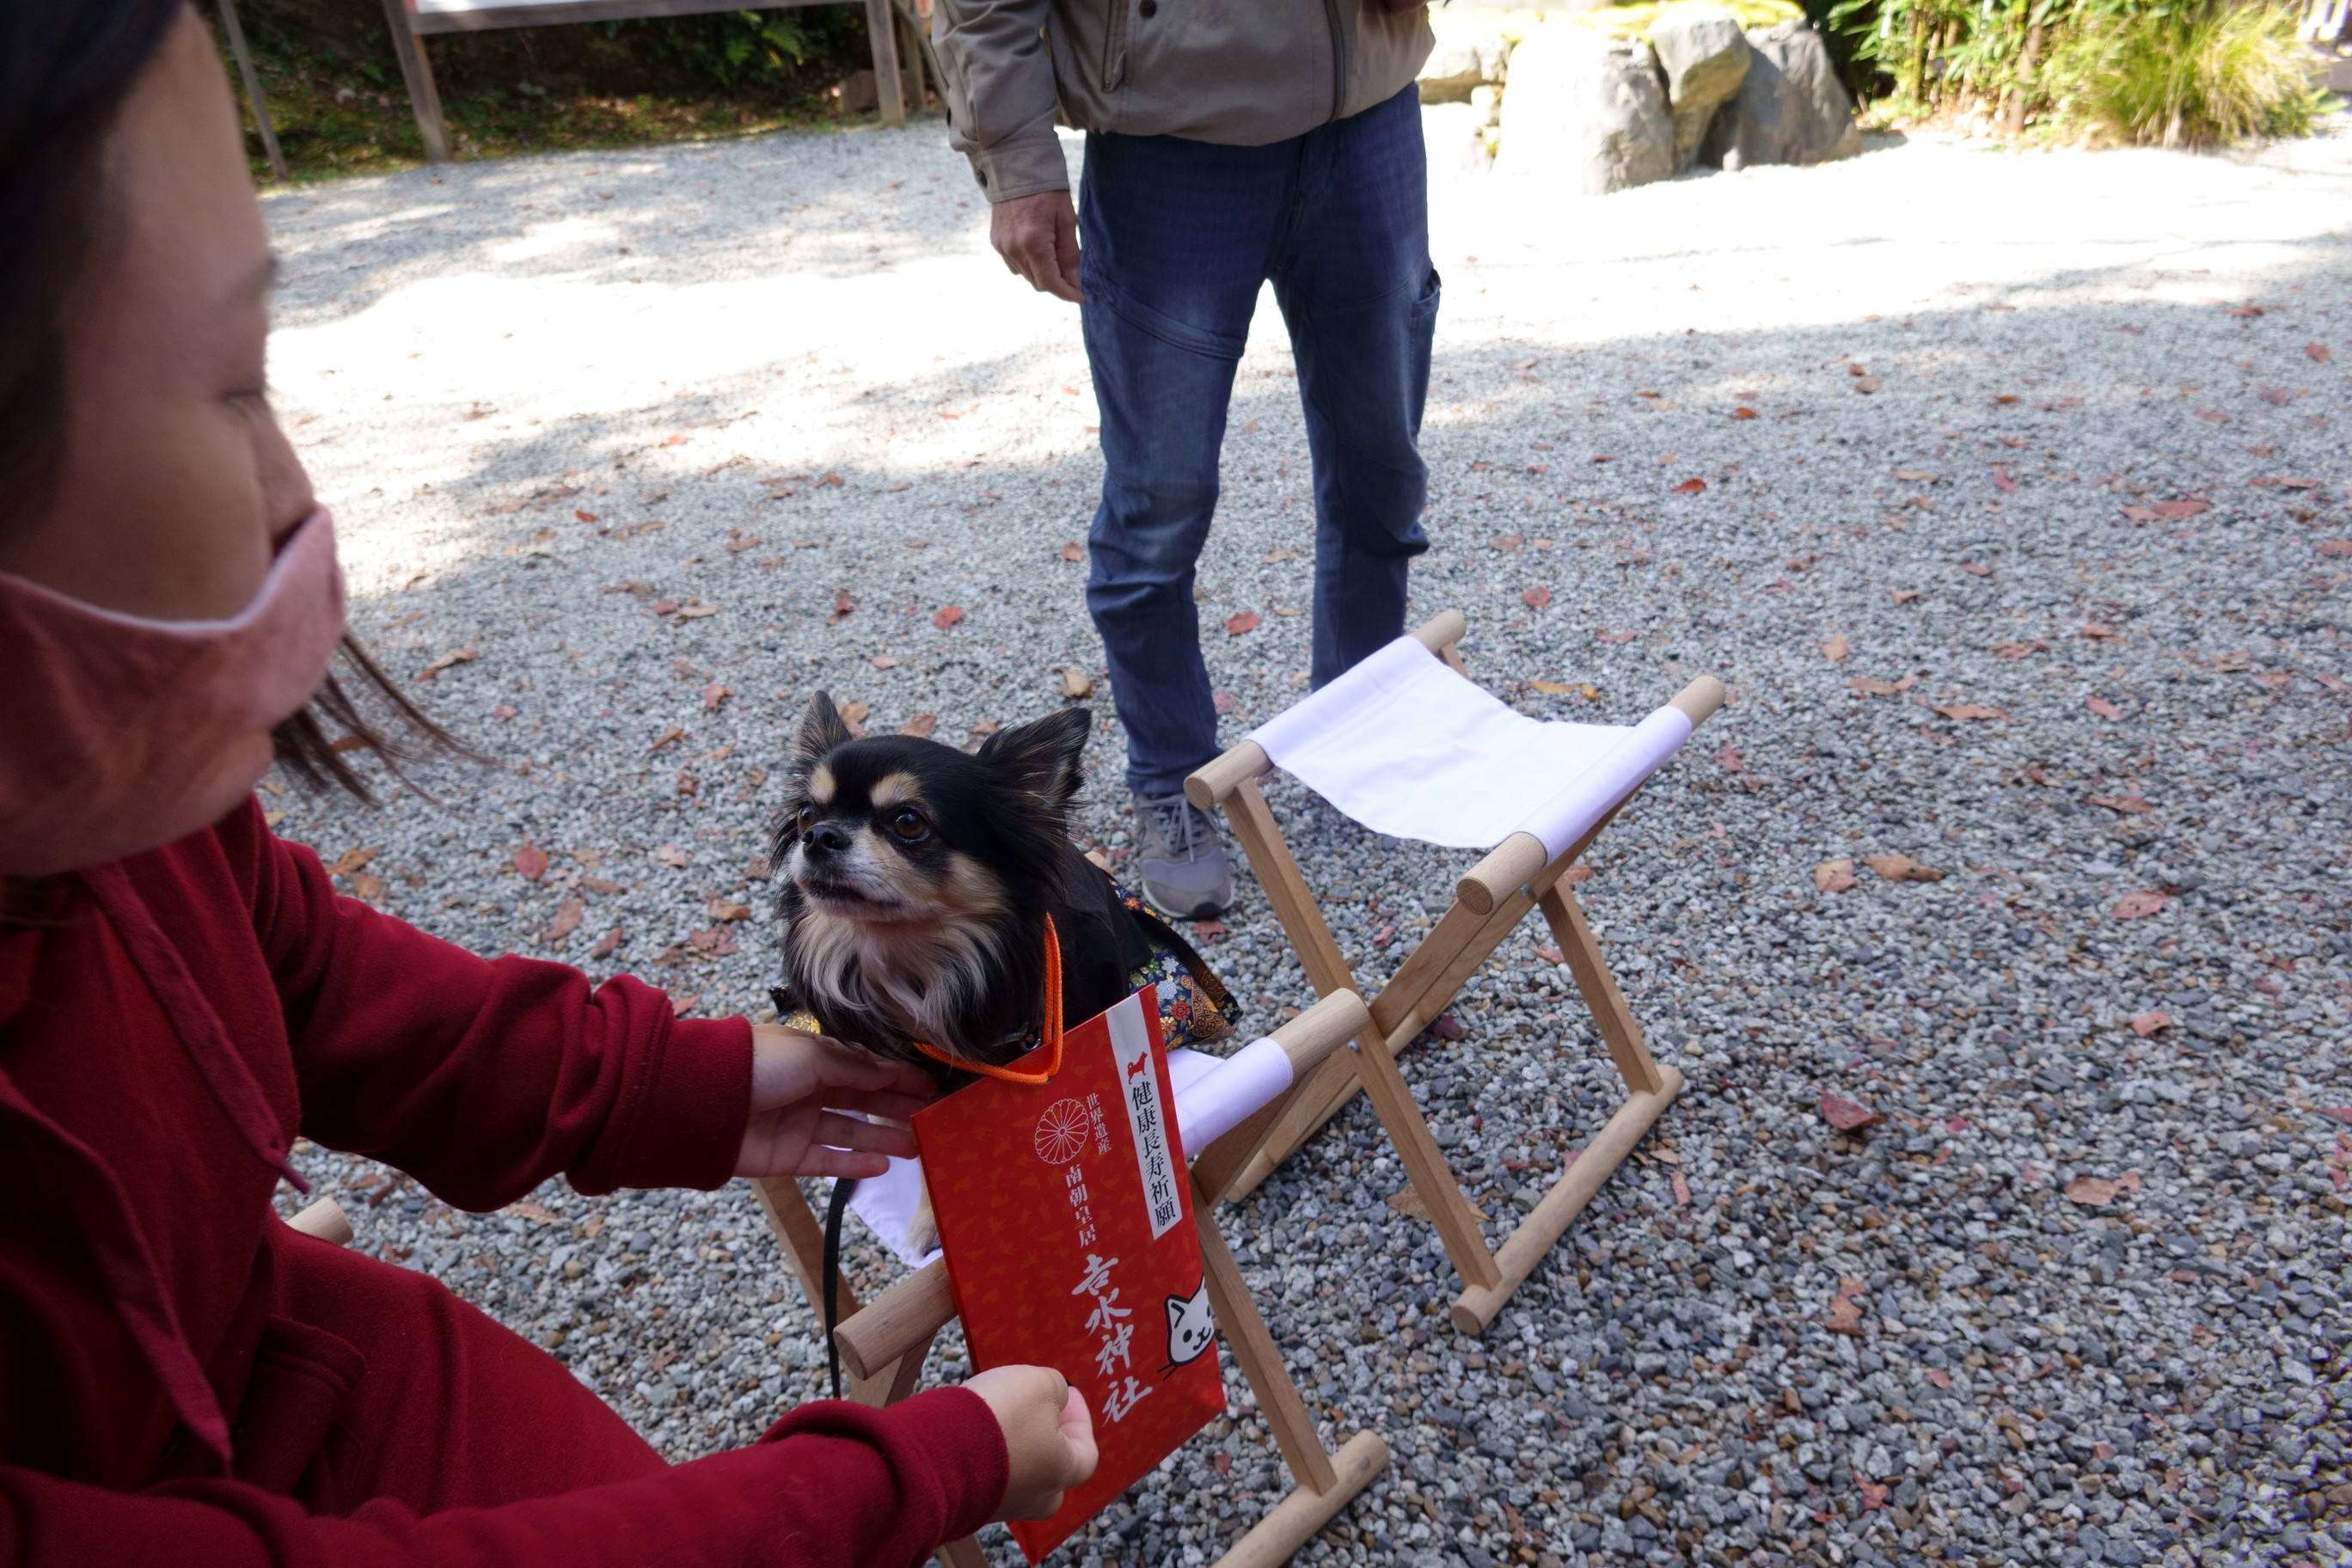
1180,858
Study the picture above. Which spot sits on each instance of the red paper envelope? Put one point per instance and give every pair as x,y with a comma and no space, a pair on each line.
1066,1212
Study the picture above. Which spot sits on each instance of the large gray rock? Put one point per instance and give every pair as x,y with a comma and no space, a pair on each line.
1705,56
1792,108
1585,112
1470,53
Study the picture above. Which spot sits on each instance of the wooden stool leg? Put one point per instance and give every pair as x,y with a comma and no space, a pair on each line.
1259,1358
1610,1015
1458,1224
803,1241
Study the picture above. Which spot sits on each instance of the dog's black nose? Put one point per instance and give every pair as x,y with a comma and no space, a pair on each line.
828,838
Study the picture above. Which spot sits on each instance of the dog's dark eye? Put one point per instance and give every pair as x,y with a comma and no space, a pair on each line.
910,825
806,817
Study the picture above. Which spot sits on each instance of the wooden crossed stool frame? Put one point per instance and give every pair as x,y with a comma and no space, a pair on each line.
1518,875
883,1345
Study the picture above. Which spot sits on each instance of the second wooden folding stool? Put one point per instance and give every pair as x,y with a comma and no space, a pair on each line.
1406,745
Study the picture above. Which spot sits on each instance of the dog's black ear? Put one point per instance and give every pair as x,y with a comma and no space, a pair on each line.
821,730
1041,758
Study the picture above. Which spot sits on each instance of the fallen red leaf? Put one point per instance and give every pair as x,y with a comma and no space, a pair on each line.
1743,413
532,861
946,615
2146,1024
567,919
1615,636
2182,507
1447,1027
1205,930
1551,955
1730,761
1690,486
1939,1377
1073,551
1902,869
1848,1115
1244,622
842,604
668,737
1225,701
2134,905
2002,482
883,661
1537,597
713,695
2104,709
2335,547
503,711
606,943
583,516
1845,1318
1682,1190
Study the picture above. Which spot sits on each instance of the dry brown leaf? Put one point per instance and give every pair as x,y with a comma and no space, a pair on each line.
351,860
1537,597
447,661
2092,1192
1076,682
1915,476
1246,621
728,910
1902,869
1833,876
883,661
1836,649
367,886
672,854
536,1212
921,726
1971,710
1849,1115
2104,709
1073,551
605,944
2146,1024
713,695
2140,903
1690,486
567,916
1871,686
2124,804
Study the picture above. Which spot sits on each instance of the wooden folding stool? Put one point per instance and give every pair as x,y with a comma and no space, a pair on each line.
883,1345
1519,874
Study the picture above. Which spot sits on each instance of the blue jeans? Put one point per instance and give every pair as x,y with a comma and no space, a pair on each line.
1177,238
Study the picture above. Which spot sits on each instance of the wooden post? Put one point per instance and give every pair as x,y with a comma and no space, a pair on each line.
803,1239
882,29
416,70
253,88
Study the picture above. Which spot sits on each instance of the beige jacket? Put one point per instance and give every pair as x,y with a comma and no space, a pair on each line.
1242,72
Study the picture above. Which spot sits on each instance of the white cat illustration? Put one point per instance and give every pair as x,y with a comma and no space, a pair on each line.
1190,1329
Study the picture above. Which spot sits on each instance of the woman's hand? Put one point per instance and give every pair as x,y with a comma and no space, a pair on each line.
800,1083
1049,1437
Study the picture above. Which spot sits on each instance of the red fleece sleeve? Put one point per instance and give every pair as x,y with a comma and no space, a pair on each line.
483,1078
833,1486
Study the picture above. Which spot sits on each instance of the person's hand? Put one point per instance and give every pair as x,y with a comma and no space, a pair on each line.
799,1085
1049,1437
1038,237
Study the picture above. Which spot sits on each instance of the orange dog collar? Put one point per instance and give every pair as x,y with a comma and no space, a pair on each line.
1049,1029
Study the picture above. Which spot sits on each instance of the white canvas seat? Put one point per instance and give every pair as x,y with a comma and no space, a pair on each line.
1406,745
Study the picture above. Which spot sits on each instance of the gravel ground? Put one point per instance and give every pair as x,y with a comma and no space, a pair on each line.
2006,492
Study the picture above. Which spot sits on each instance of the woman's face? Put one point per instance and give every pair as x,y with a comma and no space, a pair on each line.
176,484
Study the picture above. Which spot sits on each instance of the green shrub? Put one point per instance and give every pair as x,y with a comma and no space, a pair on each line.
2174,72
2204,73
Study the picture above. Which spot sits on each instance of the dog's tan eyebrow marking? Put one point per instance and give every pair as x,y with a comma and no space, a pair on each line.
896,789
821,785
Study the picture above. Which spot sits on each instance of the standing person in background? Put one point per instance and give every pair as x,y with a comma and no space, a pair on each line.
1225,146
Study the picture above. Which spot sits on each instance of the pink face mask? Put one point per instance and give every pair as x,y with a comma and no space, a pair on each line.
118,733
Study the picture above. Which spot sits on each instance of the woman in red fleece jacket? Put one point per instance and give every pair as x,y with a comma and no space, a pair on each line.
183,1378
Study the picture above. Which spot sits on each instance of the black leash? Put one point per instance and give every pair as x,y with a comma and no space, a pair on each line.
842,1187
